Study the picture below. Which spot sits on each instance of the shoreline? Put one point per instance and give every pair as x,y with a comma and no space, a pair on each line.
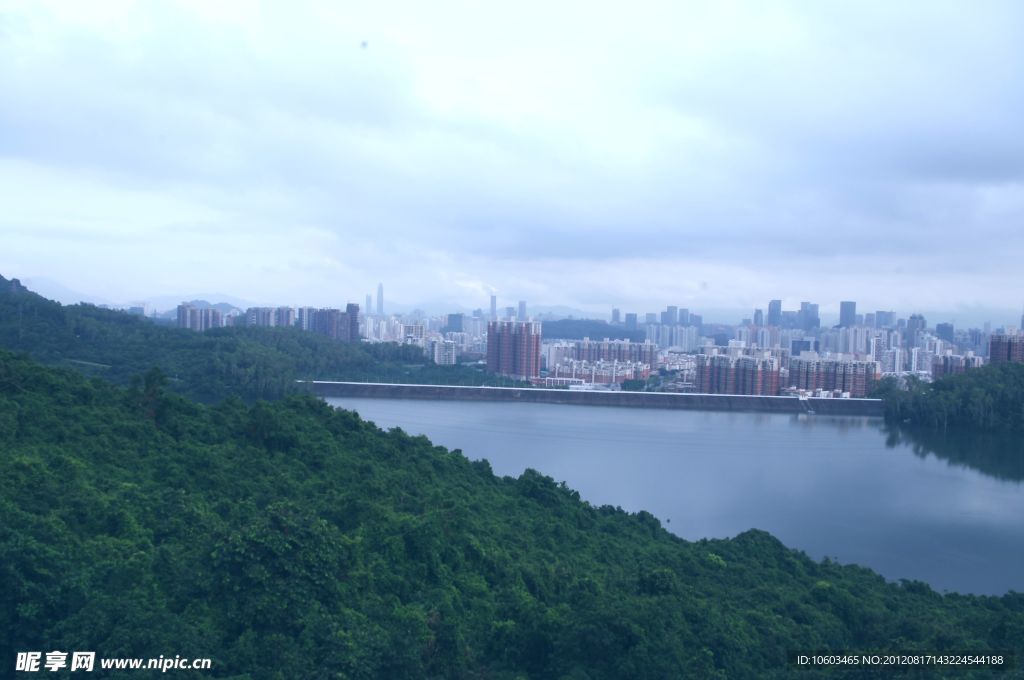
660,400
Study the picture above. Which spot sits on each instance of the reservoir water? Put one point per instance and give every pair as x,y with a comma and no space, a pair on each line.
948,513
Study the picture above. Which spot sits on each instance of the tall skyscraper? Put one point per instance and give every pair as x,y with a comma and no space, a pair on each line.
494,308
513,349
915,324
455,323
352,317
369,303
631,321
616,317
380,299
847,313
775,313
885,319
522,311
808,316
759,317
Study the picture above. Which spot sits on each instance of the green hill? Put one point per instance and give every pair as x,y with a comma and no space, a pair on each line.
253,363
290,540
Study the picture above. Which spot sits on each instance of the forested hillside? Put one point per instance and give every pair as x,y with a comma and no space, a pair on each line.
252,363
290,540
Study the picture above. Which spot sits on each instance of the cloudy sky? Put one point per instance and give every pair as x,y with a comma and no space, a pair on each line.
705,154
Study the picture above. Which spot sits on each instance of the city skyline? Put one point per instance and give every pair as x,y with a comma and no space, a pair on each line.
829,311
684,154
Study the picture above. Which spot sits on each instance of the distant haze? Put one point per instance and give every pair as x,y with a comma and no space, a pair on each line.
703,154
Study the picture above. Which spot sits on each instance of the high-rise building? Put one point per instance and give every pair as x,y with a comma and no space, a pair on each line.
915,324
494,308
197,319
631,324
670,317
369,304
616,317
183,315
885,319
807,317
684,316
336,324
455,323
521,316
758,317
847,313
775,312
284,317
380,299
444,352
944,331
513,349
611,350
808,372
951,364
304,318
352,312
724,374
1004,348
259,316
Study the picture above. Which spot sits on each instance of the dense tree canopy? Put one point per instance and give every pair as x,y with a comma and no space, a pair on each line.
291,540
989,399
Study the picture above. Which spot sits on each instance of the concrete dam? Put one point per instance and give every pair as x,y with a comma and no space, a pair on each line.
665,400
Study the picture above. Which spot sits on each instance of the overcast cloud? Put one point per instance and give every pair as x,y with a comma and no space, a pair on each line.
710,154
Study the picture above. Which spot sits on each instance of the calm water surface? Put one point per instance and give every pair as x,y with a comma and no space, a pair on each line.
827,486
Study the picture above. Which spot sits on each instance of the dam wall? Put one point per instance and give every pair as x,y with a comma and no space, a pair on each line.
697,402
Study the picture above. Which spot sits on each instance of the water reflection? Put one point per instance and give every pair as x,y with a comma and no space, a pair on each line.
996,455
845,487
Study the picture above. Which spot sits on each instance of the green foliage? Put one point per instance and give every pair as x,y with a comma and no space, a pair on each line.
252,363
291,540
990,398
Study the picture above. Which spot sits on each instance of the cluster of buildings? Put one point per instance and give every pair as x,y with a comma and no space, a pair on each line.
774,351
1007,347
337,324
513,349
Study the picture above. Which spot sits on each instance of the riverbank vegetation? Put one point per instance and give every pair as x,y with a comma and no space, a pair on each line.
986,399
